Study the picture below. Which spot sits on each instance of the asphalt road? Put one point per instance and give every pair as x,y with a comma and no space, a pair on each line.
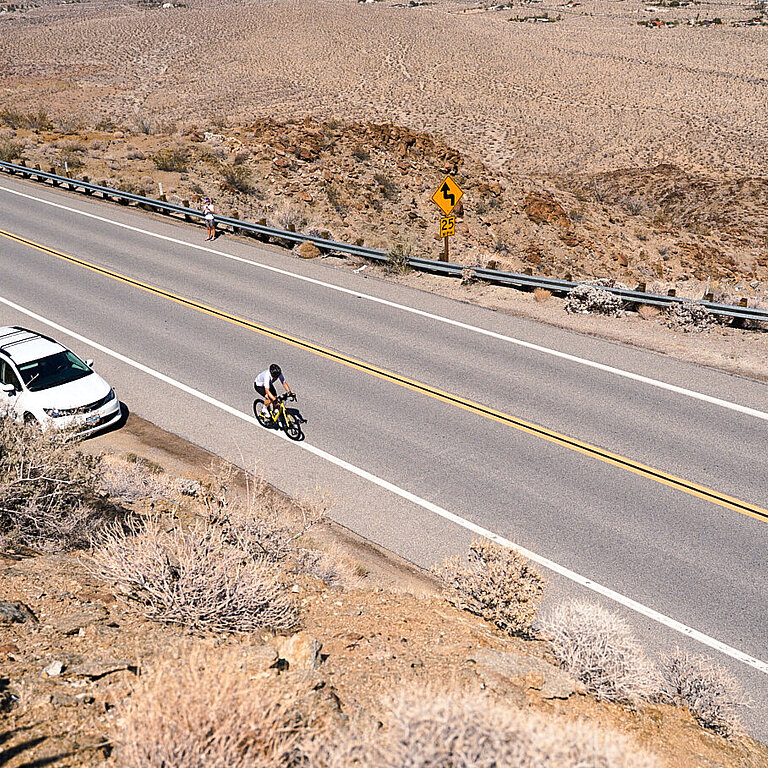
700,563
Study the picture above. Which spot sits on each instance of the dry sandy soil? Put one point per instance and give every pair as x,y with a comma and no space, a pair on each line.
592,92
387,631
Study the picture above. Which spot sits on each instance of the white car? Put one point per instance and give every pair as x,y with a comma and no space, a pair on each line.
42,381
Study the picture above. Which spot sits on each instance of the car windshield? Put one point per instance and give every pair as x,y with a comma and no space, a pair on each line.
53,371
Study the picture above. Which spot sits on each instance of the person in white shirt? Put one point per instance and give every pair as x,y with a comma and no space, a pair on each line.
210,222
264,384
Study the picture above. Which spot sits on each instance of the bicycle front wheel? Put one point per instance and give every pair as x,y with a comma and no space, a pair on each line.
291,427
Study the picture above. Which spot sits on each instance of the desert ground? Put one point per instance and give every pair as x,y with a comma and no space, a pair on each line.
592,92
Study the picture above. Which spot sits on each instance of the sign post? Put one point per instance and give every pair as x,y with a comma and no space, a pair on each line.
445,198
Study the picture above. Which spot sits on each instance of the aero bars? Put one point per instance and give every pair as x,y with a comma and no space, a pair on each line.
496,277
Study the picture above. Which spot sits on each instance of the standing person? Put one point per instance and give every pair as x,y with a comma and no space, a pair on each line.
264,384
210,223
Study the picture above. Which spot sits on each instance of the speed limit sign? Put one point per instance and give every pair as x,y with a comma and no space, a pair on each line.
448,226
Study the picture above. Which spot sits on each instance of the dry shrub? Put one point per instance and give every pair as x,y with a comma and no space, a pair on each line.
237,176
208,711
47,490
470,731
648,311
174,159
264,523
193,577
11,150
598,648
133,479
291,218
714,697
593,298
16,119
689,317
496,583
269,527
541,295
398,258
331,567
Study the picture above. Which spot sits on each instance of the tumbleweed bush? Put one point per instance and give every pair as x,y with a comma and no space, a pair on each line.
47,490
496,583
598,648
422,730
193,577
714,697
207,711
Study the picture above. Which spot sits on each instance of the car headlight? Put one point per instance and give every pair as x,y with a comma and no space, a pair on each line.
110,396
56,413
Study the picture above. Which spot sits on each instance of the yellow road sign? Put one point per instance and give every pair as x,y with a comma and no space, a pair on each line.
447,195
448,226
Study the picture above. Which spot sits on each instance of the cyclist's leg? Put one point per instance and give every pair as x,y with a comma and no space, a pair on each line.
263,393
270,396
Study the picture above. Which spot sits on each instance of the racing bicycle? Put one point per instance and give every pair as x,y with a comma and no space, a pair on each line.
279,415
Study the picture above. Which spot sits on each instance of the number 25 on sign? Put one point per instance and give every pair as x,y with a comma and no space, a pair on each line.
447,226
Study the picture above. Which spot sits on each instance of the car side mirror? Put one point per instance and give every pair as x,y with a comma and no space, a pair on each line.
9,389
89,363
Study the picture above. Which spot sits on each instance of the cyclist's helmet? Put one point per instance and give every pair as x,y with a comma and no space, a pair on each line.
274,370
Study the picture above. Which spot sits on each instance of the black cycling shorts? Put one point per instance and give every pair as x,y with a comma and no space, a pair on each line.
263,391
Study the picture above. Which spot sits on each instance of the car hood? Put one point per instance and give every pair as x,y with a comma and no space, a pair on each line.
75,394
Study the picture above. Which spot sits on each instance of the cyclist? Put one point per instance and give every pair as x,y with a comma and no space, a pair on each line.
264,384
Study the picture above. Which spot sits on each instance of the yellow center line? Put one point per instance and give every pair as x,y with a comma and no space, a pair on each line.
573,444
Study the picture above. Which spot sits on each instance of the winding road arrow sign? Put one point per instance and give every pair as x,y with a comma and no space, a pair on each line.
447,195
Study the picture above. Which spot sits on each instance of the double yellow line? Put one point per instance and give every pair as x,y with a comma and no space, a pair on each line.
615,459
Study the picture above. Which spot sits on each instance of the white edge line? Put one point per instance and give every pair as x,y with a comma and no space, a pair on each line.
402,307
627,602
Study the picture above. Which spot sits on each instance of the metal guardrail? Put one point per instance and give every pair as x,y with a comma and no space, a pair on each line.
493,276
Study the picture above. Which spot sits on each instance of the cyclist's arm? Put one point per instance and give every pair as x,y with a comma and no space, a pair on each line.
285,384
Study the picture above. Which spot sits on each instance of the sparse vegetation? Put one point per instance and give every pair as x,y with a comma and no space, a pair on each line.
48,497
496,583
194,577
386,186
16,119
237,176
444,730
598,648
11,150
711,694
171,159
207,710
398,258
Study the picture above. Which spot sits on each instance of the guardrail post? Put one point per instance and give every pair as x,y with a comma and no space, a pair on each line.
53,181
671,292
709,296
640,288
185,203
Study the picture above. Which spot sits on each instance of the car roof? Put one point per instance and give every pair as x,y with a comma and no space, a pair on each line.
23,345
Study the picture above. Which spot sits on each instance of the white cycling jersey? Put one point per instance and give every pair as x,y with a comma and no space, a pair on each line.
264,379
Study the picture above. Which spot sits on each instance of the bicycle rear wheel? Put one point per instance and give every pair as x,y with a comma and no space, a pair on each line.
258,412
